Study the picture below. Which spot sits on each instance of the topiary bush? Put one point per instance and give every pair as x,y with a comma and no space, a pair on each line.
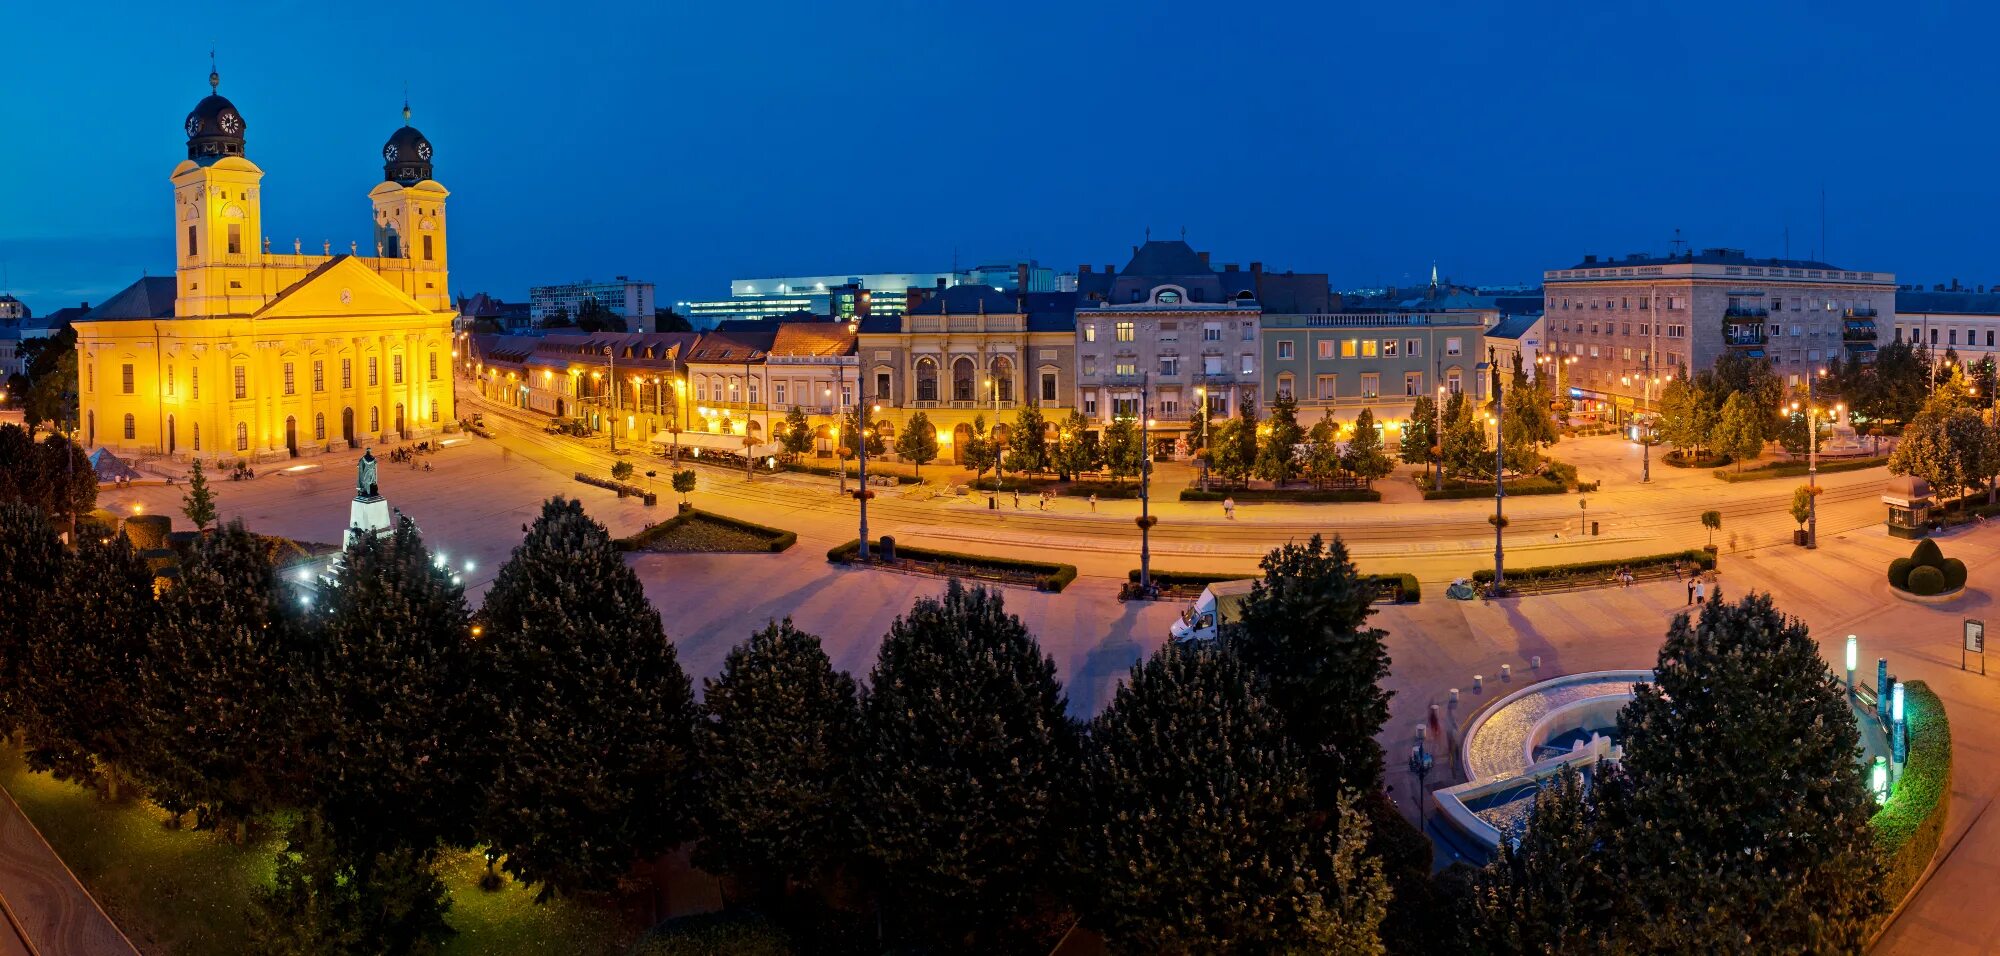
1928,554
1926,581
148,532
1954,574
1899,573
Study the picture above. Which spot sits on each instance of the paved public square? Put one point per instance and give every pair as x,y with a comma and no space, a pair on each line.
479,494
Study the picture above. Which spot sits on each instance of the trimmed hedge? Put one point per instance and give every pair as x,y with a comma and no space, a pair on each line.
623,489
1048,576
1456,489
1797,469
1284,494
831,472
1411,591
1926,581
1927,571
1909,827
1708,460
1701,559
777,539
148,532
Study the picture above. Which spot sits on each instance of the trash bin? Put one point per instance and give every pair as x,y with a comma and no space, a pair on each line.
886,550
1593,529
1799,537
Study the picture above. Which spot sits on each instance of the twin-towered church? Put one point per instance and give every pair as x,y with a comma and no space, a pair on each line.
253,353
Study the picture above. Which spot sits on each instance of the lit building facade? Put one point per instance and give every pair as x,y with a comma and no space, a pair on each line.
851,296
1335,365
966,352
629,298
1164,337
248,354
1631,323
1964,321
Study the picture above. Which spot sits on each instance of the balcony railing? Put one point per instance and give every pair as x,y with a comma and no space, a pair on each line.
1859,332
1745,312
1741,336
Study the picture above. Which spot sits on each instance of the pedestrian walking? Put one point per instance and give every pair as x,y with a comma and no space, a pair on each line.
1700,591
1017,499
1691,587
1093,502
1044,503
1229,507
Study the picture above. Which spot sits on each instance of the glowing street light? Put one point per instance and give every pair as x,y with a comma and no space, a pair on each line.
1878,779
1853,658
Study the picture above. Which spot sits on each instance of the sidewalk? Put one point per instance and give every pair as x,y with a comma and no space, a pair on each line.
42,900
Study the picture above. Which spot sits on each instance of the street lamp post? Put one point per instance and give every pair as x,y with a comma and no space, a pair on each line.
861,401
611,361
1145,489
1437,438
1499,484
749,460
1201,396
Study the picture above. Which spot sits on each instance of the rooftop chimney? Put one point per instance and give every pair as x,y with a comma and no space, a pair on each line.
1111,269
1229,267
1587,260
940,283
1083,270
1021,277
1204,258
1256,268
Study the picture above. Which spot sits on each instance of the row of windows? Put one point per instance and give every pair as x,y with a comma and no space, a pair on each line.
1170,365
1325,386
1369,348
1671,303
1170,406
131,426
240,376
1951,336
1127,331
1670,330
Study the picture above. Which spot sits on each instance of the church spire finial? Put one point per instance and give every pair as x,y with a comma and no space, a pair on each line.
406,103
214,78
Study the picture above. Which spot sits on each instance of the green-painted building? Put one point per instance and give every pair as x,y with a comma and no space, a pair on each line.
1340,363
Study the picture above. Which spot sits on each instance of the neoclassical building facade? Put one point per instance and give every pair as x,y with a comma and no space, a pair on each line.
969,351
249,354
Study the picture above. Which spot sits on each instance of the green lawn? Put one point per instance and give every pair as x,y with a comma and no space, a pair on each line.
183,893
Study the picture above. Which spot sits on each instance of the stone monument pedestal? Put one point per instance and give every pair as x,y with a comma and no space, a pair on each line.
368,515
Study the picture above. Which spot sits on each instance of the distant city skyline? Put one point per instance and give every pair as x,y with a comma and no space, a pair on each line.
689,147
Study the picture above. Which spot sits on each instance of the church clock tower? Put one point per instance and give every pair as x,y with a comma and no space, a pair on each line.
409,218
218,217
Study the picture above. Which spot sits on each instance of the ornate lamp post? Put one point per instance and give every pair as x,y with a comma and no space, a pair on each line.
611,362
1499,485
1146,519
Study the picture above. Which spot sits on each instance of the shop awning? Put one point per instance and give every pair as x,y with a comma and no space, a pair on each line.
712,441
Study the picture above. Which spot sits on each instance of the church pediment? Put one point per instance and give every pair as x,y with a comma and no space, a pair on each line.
341,287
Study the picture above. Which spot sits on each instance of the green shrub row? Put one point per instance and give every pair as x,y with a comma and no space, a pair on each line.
1796,469
1075,489
776,539
1284,494
1412,593
1455,489
1707,460
1049,575
1909,827
831,472
1696,556
623,489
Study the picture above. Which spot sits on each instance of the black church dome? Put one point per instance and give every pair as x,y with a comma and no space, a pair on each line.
215,127
406,157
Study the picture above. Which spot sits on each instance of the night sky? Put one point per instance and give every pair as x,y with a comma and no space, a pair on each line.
689,143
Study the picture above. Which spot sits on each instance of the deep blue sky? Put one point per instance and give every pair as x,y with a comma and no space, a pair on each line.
690,143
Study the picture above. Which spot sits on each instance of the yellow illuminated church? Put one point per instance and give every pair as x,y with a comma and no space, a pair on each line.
246,353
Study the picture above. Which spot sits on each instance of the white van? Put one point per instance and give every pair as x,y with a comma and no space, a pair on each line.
1218,604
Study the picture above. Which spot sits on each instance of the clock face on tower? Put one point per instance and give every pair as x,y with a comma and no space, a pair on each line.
231,123
194,126
389,152
424,151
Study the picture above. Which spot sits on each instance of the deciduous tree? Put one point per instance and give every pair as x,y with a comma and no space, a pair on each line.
1277,448
1200,830
1304,632
1364,456
1123,453
1739,430
1546,889
970,769
797,438
1075,454
1030,451
1744,828
589,717
779,748
80,687
1420,433
918,443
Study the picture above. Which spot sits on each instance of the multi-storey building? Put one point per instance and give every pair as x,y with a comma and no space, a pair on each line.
1961,320
1336,364
570,375
970,351
851,296
1517,337
246,353
630,298
1165,337
1631,323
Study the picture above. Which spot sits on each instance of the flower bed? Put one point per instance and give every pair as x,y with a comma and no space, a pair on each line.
1797,469
1389,588
1455,488
1909,827
620,487
694,530
1593,573
1041,575
1283,494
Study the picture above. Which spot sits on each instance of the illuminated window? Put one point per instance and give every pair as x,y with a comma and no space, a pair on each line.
289,389
1347,348
1388,348
131,428
396,368
1367,348
242,382
1126,332
1090,332
242,437
1127,368
1371,385
374,419
319,426
125,378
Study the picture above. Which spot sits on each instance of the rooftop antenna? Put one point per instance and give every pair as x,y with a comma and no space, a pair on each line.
1822,221
1679,245
406,102
1149,233
1183,233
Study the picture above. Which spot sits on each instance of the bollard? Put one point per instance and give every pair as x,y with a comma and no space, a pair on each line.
1420,733
1506,672
1454,695
1478,681
1535,662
